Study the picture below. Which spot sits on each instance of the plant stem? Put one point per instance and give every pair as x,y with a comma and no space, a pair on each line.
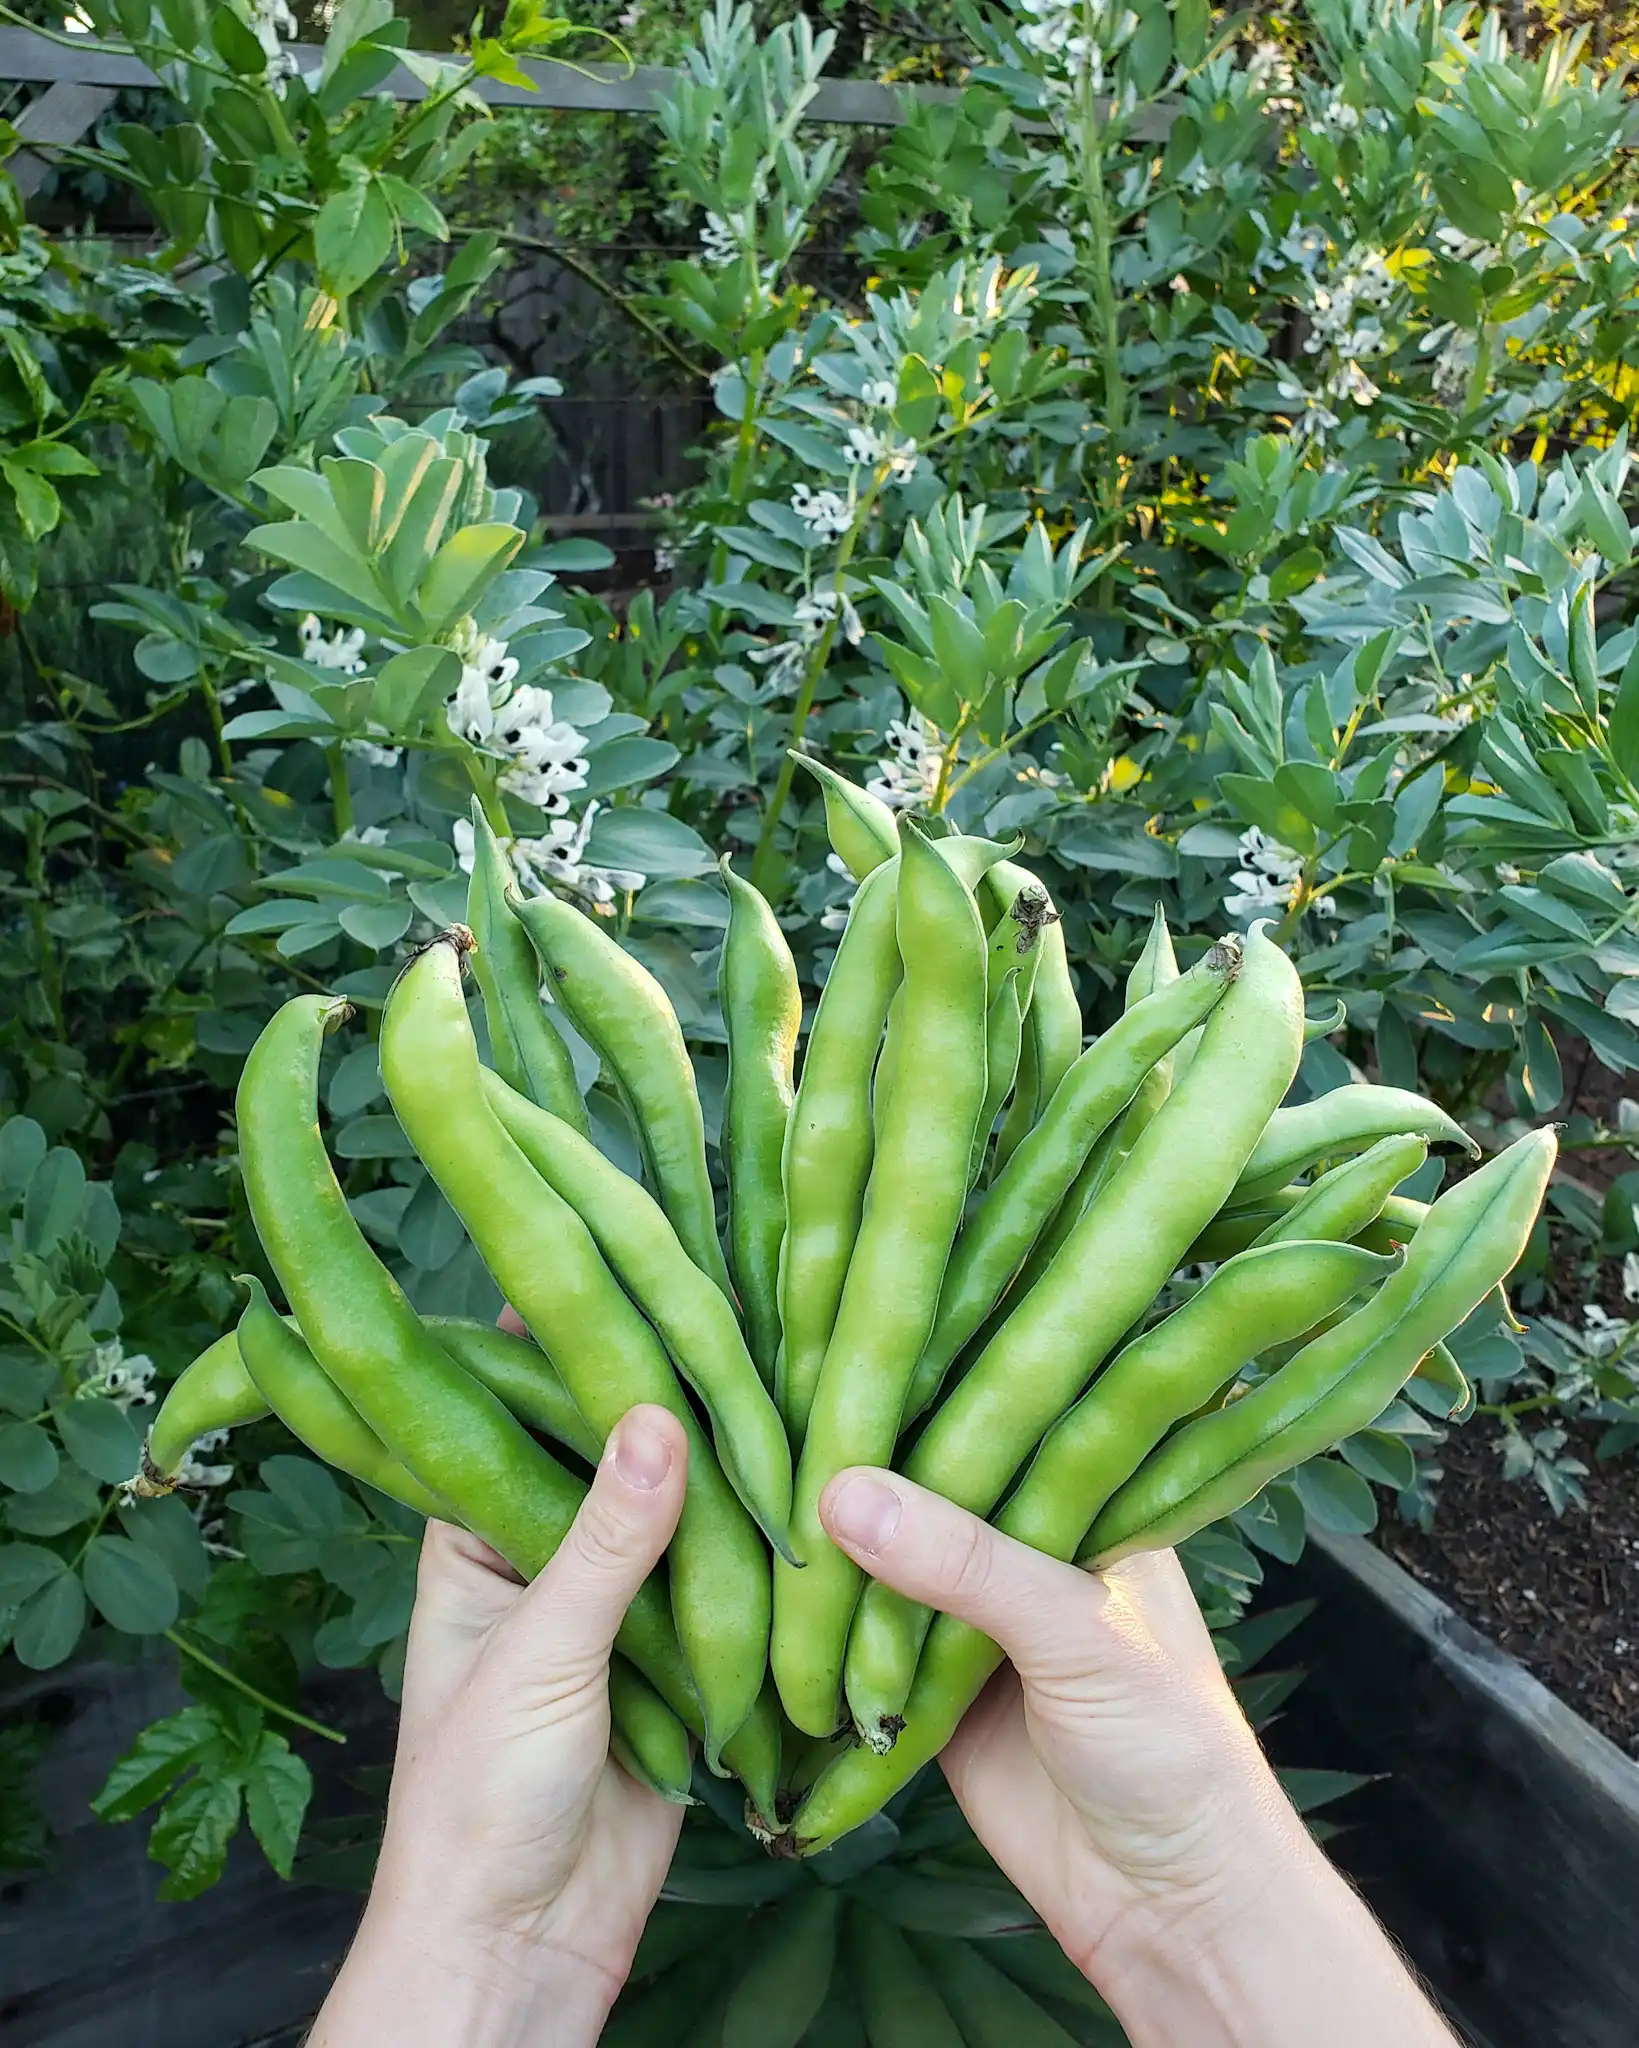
341,793
762,858
585,272
250,1692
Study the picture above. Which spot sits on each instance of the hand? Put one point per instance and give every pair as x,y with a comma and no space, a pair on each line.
1113,1777
520,1862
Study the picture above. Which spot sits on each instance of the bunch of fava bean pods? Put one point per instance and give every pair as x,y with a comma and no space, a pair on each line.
1102,1295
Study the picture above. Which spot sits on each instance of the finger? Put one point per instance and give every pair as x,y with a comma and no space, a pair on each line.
513,1323
1041,1612
463,1588
570,1616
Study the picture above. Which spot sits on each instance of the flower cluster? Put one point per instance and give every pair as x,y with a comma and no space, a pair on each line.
868,449
718,243
273,25
343,650
193,1473
908,774
559,855
497,713
1269,76
1266,878
111,1376
1076,37
826,514
784,660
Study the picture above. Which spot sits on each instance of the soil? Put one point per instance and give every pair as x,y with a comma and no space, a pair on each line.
1560,1593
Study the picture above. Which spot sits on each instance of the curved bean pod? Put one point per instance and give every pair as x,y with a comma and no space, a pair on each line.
213,1392
1439,1368
828,1140
648,1741
1004,1028
912,1207
1258,1299
695,1323
1155,968
546,1263
1052,1042
861,828
618,1007
1026,1191
762,1010
1346,1120
1115,1261
1341,1203
310,1405
1472,1239
524,1045
520,1374
1014,945
448,1430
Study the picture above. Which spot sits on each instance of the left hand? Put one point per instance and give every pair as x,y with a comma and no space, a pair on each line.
520,1862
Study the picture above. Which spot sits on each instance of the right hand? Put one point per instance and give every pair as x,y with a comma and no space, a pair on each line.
1108,1769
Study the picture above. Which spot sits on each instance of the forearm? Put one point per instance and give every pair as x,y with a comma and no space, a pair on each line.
1280,1965
420,1988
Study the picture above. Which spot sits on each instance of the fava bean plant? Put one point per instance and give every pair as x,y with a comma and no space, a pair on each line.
1205,457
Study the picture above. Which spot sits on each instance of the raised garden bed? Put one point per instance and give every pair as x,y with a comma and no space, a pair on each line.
1501,1842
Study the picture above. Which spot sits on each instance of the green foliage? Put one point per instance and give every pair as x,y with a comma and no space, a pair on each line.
1203,454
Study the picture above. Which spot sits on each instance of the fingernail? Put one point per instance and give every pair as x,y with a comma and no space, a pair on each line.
865,1514
643,1456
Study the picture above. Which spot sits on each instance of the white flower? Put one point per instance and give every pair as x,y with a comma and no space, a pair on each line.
909,774
1269,75
192,1472
826,514
629,17
1312,416
1336,115
273,25
1197,175
1454,362
717,240
1597,1319
370,835
867,449
1348,380
1630,1277
879,394
371,754
343,650
1264,881
835,918
557,856
664,560
127,1382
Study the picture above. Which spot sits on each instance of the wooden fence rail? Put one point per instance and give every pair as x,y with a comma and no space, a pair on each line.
83,79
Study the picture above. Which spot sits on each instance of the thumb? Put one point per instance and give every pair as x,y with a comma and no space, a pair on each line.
574,1608
1039,1611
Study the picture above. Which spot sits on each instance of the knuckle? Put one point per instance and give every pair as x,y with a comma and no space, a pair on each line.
967,1561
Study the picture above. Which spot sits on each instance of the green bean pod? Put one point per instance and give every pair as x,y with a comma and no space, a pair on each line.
646,1737
1341,1203
1014,946
1026,1191
453,1434
1052,1042
912,1207
1438,1367
547,1264
1345,1120
1472,1239
526,1048
1151,1383
315,1410
1233,1229
695,1323
1155,968
1004,1028
618,1007
861,828
213,1392
762,1010
828,1141
520,1374
1117,1258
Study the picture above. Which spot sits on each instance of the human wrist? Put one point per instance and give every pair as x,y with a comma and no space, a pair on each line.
425,1980
1271,1949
